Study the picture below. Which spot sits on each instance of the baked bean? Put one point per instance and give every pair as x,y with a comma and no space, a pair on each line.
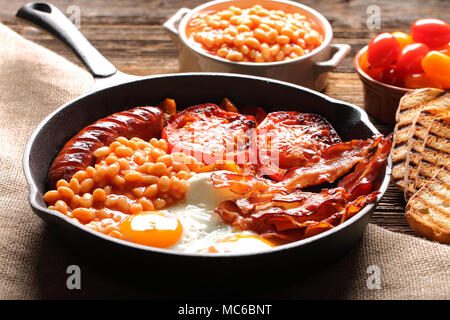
166,159
130,176
151,191
111,159
110,202
156,153
103,215
139,159
66,192
122,205
133,177
147,205
132,145
113,146
118,181
51,196
83,214
124,165
80,175
115,234
102,152
107,189
159,203
224,33
62,183
164,184
136,208
157,169
86,200
138,192
99,195
113,169
149,179
222,52
183,175
100,172
61,206
109,228
86,186
123,151
75,201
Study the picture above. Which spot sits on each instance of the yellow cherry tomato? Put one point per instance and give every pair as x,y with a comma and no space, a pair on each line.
437,67
420,80
402,38
372,72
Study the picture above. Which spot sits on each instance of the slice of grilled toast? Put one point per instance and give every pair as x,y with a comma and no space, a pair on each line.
436,151
409,106
428,210
418,134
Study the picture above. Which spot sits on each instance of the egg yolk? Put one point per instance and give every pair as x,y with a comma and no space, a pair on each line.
152,228
240,243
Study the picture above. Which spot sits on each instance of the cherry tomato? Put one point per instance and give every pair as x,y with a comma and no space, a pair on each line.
402,38
383,50
392,76
433,32
445,49
372,72
437,67
410,59
363,63
419,80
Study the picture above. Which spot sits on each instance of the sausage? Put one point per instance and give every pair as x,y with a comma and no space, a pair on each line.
78,153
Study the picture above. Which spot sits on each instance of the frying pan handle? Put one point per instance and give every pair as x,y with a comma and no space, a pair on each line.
51,19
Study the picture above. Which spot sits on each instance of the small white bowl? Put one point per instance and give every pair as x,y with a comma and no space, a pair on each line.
309,70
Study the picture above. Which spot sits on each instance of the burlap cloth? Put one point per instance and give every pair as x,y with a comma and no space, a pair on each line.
33,262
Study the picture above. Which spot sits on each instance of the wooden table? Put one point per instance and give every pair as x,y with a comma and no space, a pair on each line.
129,33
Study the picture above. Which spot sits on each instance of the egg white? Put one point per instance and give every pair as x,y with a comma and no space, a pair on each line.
202,226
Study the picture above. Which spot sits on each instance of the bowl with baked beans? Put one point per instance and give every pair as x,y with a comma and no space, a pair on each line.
277,39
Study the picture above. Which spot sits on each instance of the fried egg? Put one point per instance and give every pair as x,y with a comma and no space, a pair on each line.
192,225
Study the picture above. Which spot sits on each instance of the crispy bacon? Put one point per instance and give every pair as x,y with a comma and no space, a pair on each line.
282,211
336,161
360,181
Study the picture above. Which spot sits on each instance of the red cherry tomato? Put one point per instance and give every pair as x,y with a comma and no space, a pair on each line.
383,50
433,32
437,67
392,76
410,59
445,49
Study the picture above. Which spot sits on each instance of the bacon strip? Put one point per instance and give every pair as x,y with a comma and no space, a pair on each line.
336,161
281,211
361,179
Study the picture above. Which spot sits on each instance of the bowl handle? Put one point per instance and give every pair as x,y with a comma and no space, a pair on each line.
339,52
171,25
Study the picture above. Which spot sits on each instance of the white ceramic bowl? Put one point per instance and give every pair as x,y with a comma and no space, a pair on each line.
309,70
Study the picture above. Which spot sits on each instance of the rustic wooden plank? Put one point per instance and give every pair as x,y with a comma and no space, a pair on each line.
129,34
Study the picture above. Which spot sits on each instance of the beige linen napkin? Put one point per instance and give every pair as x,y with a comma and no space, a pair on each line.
33,262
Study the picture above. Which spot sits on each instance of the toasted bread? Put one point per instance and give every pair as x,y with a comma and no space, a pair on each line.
428,210
408,109
436,151
417,136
